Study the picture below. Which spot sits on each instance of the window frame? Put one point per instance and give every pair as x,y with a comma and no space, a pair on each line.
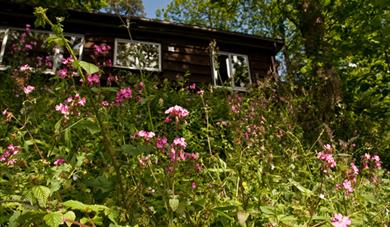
229,69
55,55
137,68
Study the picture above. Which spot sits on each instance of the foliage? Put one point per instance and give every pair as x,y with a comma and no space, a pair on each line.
92,148
335,58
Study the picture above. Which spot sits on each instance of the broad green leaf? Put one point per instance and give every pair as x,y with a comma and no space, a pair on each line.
174,203
69,217
267,210
89,67
41,193
53,219
75,205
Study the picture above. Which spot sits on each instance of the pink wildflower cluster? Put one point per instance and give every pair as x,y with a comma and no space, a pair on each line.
70,105
59,162
123,95
93,79
8,156
177,153
338,220
161,142
349,180
28,89
145,135
327,157
25,68
371,159
102,49
177,112
67,70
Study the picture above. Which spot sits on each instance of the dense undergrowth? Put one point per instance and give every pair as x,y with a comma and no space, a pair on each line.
130,149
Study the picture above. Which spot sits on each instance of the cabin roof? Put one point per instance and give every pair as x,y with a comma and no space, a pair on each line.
105,24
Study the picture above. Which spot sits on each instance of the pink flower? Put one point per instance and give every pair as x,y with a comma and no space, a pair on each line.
68,60
177,111
377,161
13,149
347,186
192,86
59,162
328,158
167,120
82,101
354,169
145,134
8,156
25,68
27,90
201,92
339,221
180,142
172,154
93,79
105,104
193,185
63,73
28,47
122,95
63,109
161,142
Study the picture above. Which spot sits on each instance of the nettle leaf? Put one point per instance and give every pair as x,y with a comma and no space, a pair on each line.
54,219
69,217
41,194
174,203
89,67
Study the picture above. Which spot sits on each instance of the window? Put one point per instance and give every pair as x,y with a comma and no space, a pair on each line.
137,55
3,41
231,70
32,48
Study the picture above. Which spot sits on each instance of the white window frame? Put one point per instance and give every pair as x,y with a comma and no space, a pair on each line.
137,60
4,42
55,55
229,69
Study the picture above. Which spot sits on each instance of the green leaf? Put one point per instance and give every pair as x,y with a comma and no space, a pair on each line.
267,210
41,193
69,217
174,204
89,67
304,190
53,219
75,205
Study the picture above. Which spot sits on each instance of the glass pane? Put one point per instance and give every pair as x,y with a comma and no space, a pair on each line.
26,47
136,55
240,69
222,69
75,42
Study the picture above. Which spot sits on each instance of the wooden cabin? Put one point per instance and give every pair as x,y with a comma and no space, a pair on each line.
168,49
